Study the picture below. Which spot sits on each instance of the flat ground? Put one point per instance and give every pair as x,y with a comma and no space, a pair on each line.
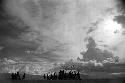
93,77
120,80
107,74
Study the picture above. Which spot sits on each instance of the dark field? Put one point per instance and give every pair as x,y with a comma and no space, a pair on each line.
91,78
119,80
110,73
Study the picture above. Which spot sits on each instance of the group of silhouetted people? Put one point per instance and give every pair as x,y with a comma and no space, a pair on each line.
16,76
62,75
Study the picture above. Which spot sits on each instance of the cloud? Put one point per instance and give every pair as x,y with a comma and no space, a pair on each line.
1,47
11,26
94,53
54,30
57,27
120,19
121,6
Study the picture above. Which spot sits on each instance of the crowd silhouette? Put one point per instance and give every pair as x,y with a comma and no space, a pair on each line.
63,75
17,76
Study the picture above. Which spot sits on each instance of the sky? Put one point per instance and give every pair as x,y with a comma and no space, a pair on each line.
56,30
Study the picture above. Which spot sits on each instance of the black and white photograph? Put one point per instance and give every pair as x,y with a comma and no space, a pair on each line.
62,41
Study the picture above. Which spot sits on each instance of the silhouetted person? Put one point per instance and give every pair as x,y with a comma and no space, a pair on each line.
75,75
15,76
55,76
47,77
78,75
23,76
62,75
44,76
70,75
51,77
18,76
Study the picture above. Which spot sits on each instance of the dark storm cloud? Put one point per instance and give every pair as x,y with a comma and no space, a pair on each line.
16,47
121,6
2,4
94,53
11,26
12,29
120,19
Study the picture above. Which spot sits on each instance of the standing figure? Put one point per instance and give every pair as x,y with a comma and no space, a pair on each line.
44,76
18,76
23,76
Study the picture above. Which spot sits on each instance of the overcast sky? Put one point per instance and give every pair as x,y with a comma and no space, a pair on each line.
54,30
